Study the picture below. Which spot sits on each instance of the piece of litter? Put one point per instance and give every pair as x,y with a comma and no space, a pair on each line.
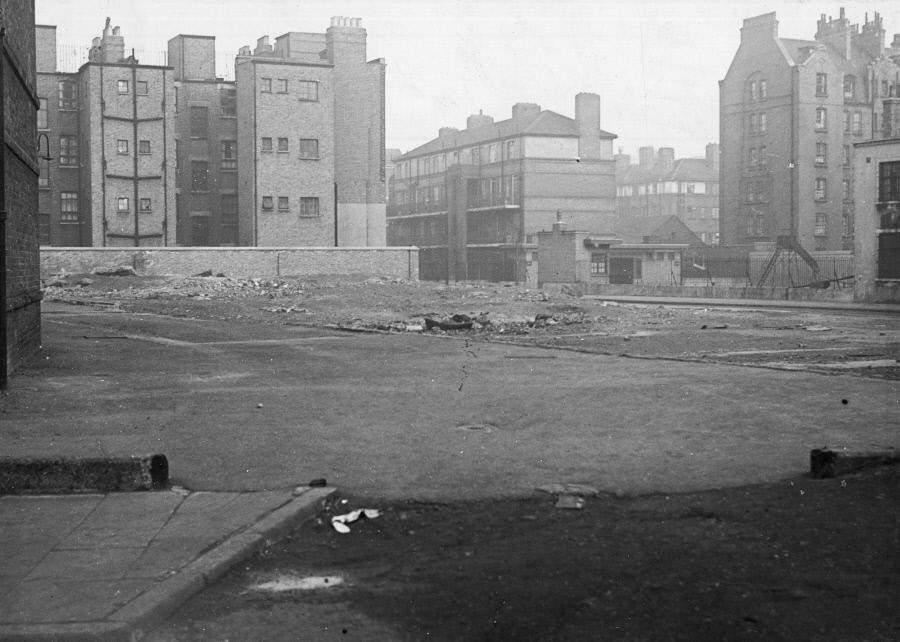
321,482
570,501
181,490
817,328
339,522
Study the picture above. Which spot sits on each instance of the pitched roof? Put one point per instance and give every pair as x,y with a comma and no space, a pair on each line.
684,169
634,229
798,50
545,123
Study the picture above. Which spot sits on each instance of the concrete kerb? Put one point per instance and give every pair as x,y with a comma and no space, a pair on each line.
51,476
825,463
149,609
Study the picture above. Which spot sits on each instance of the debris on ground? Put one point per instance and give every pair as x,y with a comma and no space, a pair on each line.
339,522
573,502
569,489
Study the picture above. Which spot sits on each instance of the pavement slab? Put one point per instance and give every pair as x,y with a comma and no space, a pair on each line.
112,566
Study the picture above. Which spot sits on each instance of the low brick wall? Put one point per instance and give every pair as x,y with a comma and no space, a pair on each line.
392,262
717,292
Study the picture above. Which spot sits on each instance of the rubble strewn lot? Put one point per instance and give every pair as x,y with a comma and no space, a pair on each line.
821,341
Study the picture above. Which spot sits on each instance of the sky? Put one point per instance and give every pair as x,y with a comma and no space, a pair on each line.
656,64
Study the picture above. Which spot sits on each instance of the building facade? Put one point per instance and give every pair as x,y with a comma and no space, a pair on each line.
661,185
877,237
20,285
110,180
205,154
473,200
290,153
311,154
790,114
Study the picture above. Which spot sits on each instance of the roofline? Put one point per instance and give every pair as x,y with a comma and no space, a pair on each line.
191,35
257,60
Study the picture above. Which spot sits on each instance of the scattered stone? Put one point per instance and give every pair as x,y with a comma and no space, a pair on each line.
120,270
320,482
572,502
85,282
569,489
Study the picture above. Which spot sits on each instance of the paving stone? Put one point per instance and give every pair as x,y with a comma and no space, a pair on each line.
52,600
89,564
124,519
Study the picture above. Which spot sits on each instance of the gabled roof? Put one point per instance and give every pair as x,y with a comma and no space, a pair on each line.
545,123
640,229
684,169
798,50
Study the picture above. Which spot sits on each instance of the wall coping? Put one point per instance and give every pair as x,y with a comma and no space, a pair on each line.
54,248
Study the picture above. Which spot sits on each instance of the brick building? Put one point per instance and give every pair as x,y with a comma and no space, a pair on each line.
111,132
311,148
474,200
289,153
20,287
877,235
205,155
661,185
790,114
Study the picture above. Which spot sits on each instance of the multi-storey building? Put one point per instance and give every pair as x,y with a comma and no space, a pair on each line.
205,155
108,180
661,185
790,114
290,153
311,140
474,200
877,234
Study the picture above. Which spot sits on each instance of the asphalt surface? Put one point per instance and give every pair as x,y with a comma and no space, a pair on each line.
239,406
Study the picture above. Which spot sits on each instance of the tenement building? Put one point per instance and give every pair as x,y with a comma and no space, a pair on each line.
108,179
662,185
473,200
791,112
289,153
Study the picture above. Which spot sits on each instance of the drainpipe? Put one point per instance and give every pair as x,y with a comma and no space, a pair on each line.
4,359
134,146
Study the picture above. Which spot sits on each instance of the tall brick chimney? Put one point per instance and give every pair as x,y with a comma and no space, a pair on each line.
587,117
836,32
666,159
345,41
110,47
478,120
712,156
645,157
523,112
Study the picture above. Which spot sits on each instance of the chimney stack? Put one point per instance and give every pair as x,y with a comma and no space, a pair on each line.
645,157
712,156
478,120
666,159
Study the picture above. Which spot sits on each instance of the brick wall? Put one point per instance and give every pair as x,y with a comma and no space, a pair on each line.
21,323
393,262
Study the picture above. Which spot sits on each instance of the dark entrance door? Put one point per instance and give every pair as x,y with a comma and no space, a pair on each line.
200,231
621,270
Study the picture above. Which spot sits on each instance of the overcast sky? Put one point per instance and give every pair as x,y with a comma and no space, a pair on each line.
656,64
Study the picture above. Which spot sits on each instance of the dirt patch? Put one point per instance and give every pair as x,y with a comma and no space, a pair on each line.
796,560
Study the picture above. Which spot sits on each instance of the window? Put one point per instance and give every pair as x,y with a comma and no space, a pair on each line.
691,188
762,123
265,85
228,102
598,263
756,225
176,100
266,144
229,154
267,202
712,188
821,192
845,189
476,155
821,84
821,119
68,94
714,212
68,151
763,93
857,123
42,114
44,174
282,144
145,205
177,154
753,95
846,122
143,147
229,231
846,222
889,183
821,153
846,155
199,122
68,207
122,204
754,157
884,88
309,206
492,153
510,149
282,86
142,88
122,87
199,176
309,148
283,203
122,146
849,87
753,124
308,90
821,224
